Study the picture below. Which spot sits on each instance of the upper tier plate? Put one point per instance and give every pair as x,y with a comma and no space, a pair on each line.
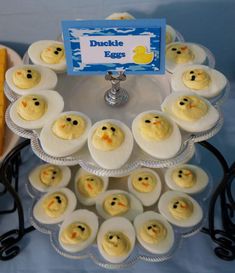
86,94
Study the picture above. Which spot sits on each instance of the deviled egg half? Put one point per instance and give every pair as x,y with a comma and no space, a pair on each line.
34,110
116,239
110,143
146,185
78,231
203,80
186,178
180,209
65,134
153,232
120,16
190,111
181,53
48,177
118,203
88,186
25,79
54,206
48,53
156,134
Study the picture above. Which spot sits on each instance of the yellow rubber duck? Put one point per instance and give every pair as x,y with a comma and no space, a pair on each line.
141,55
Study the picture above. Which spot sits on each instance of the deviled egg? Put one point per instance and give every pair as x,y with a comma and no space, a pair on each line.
26,79
156,134
110,143
47,177
120,16
88,186
190,111
48,53
186,178
153,232
78,231
116,239
118,203
181,53
203,80
33,111
53,207
65,134
180,209
146,185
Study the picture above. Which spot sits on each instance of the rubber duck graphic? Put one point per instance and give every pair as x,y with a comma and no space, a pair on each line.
141,55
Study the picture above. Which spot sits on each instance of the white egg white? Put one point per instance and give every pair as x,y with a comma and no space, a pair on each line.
161,149
200,56
113,159
48,79
34,52
203,124
193,220
216,86
58,147
172,32
35,181
146,198
120,16
55,104
92,200
202,179
39,212
118,224
83,216
163,246
135,205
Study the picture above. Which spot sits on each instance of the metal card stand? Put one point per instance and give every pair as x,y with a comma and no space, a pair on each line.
223,238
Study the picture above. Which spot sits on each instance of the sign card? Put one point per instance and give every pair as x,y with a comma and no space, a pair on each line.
132,46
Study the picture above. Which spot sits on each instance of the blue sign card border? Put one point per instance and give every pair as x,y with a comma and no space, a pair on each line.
155,27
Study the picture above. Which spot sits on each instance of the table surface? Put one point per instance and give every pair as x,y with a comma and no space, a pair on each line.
210,23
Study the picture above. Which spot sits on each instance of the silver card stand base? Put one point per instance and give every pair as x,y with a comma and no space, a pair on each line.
116,95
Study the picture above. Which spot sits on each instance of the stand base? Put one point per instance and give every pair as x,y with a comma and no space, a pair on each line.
115,99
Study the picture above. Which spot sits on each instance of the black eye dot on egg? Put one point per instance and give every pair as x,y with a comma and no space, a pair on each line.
113,203
174,49
53,177
114,198
35,99
58,49
149,227
37,103
140,178
156,116
118,237
191,72
110,237
180,171
113,129
179,175
29,76
175,206
104,128
68,119
185,99
181,103
154,225
178,52
29,71
75,122
193,78
54,172
56,52
146,178
147,121
92,179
